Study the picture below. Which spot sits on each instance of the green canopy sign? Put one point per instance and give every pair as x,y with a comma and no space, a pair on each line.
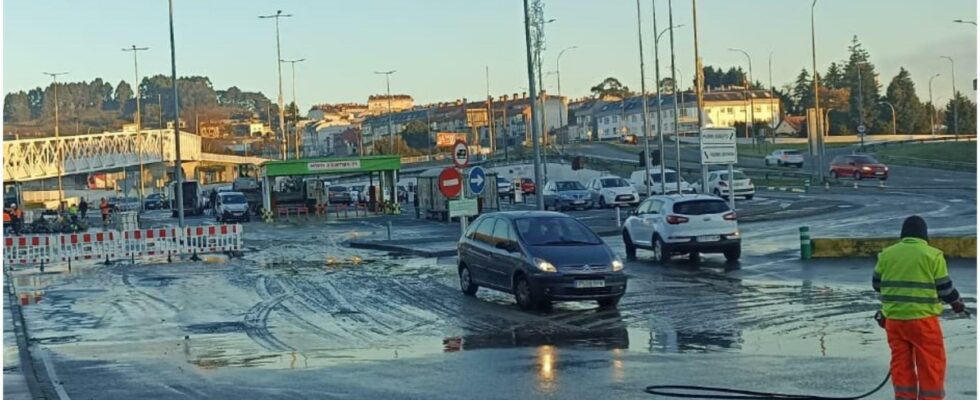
320,166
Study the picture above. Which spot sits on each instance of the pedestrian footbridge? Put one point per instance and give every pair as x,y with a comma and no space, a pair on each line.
35,159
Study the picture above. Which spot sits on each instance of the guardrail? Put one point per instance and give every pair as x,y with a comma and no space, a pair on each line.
874,146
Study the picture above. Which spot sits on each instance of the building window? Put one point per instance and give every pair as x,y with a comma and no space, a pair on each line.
728,110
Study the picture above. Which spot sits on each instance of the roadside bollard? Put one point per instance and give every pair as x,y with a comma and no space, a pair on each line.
806,185
826,186
389,230
881,184
855,185
618,223
805,250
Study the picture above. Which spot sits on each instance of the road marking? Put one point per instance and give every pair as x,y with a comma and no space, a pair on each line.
955,200
53,377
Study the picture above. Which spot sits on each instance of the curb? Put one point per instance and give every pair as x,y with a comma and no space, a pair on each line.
954,247
785,189
20,333
372,245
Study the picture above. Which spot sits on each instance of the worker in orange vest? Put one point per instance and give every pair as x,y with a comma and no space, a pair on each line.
104,207
18,219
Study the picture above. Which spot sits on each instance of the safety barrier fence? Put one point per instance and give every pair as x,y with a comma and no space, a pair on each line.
131,244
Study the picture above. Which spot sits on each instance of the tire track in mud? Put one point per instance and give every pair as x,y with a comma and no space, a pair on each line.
256,324
131,287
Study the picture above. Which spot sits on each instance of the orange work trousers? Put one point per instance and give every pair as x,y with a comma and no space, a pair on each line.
918,358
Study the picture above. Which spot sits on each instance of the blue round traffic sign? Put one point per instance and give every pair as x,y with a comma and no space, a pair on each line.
476,180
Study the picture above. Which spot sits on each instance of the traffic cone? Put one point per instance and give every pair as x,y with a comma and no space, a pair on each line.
826,186
855,185
881,185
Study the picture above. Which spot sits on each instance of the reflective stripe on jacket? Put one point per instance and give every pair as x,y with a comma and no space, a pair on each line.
912,279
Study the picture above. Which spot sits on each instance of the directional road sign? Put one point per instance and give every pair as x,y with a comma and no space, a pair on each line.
477,180
461,154
463,208
718,146
450,182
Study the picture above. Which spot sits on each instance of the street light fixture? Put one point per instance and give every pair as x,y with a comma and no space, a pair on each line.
561,118
956,117
57,133
749,113
965,22
391,137
282,115
932,115
894,126
296,138
178,163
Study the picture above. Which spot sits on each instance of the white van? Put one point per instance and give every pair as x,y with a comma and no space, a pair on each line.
640,184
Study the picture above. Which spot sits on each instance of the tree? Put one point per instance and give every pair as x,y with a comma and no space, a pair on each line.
802,93
416,135
967,111
910,114
610,87
864,91
16,107
124,93
834,78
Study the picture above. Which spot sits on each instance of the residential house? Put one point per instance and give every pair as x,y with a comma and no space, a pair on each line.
729,106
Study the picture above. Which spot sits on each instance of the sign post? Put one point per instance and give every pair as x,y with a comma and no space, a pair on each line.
461,207
718,147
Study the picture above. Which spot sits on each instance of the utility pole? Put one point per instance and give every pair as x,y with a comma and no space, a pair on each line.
139,117
698,90
282,115
178,165
818,125
860,106
660,119
932,116
643,91
956,114
534,104
673,78
391,137
57,135
493,144
561,116
296,137
773,116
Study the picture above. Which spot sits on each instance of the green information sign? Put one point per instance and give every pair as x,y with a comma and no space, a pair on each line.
320,166
463,207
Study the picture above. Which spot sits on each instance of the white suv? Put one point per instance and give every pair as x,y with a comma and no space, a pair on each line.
679,224
718,184
612,190
785,157
640,184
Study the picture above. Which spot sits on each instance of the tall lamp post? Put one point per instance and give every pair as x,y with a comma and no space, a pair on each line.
656,66
57,133
646,113
894,126
673,78
282,115
139,117
391,137
816,95
932,116
956,116
296,139
750,113
561,117
539,199
178,164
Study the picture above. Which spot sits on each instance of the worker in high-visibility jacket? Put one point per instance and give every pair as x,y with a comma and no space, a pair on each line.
912,279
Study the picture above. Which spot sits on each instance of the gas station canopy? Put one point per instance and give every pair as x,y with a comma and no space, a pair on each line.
330,165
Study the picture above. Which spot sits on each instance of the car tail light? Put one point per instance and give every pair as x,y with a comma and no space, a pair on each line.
731,217
676,219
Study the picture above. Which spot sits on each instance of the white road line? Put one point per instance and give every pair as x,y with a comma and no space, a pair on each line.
52,376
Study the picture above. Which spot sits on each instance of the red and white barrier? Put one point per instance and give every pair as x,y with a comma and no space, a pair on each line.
45,249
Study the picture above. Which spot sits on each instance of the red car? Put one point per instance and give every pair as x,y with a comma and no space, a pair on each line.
527,185
858,166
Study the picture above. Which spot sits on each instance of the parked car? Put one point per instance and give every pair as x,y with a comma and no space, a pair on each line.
628,139
611,190
718,184
858,166
231,206
124,204
339,194
566,194
683,224
154,201
528,186
505,189
785,157
540,257
640,183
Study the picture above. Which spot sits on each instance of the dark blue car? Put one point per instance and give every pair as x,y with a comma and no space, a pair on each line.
540,257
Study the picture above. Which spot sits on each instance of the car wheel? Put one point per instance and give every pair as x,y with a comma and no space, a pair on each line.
466,281
602,201
695,257
660,251
833,174
609,302
779,163
523,293
768,163
630,247
733,253
857,175
717,193
749,196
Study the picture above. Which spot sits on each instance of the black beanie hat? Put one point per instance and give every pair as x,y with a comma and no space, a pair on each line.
915,227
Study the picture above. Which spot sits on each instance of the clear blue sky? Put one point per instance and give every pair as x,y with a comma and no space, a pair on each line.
441,47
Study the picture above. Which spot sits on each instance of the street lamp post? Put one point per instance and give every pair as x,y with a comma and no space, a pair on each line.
139,117
974,23
932,115
178,164
956,116
539,199
296,138
772,97
57,134
391,137
816,95
861,126
894,126
750,113
643,92
673,78
660,136
561,117
282,115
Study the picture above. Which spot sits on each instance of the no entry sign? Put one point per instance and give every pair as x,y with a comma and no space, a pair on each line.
450,182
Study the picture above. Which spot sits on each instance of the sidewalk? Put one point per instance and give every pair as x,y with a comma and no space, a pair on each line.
14,381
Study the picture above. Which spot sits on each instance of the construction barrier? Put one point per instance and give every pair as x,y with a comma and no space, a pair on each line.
108,245
953,247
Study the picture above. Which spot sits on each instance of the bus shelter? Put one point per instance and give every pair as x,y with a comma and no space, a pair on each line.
383,168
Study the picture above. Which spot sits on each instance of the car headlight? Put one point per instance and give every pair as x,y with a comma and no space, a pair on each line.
544,265
617,265
866,168
608,192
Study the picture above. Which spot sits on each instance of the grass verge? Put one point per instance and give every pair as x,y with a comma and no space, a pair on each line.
948,156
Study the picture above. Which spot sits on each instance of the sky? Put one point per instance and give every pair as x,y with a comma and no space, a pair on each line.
440,49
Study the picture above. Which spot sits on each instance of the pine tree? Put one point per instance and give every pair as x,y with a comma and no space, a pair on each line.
802,93
834,78
910,114
967,112
864,91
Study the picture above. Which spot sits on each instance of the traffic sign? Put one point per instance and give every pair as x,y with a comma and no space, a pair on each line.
450,182
718,136
476,180
461,154
718,146
862,129
463,208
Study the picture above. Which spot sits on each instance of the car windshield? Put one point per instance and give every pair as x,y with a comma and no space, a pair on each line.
792,152
154,196
233,199
568,185
700,207
865,160
671,176
614,182
555,231
738,176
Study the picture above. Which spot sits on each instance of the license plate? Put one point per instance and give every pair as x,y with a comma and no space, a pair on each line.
709,238
880,173
578,202
583,284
